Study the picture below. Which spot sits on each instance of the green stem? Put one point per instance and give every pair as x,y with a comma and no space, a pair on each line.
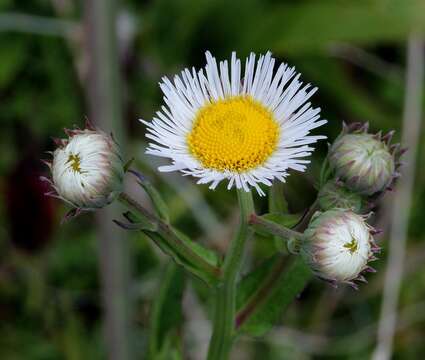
308,215
277,201
170,236
273,228
225,297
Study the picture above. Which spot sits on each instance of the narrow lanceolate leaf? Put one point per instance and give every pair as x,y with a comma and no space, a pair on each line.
166,314
195,258
264,294
158,202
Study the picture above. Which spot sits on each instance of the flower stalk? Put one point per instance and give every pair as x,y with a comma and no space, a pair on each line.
225,306
171,241
273,228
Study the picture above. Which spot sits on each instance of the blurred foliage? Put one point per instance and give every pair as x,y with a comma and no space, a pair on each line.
50,305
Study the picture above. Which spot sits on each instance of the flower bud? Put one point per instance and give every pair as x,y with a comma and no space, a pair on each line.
87,169
338,245
336,196
363,161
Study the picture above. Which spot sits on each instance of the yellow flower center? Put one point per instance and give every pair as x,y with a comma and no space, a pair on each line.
352,246
235,134
74,162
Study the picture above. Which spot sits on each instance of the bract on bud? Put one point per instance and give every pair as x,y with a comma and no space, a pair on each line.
336,196
87,169
338,245
363,161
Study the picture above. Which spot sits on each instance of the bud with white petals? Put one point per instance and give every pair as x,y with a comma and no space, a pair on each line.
363,161
338,245
87,169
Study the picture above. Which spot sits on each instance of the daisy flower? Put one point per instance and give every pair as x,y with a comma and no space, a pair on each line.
248,128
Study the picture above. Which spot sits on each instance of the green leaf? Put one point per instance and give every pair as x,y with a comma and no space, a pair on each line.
264,294
194,257
166,313
158,203
208,255
187,261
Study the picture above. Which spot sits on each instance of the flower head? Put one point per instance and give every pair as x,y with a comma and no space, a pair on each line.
87,169
365,162
215,126
338,246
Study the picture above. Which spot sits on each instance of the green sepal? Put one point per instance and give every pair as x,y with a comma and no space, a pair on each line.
265,293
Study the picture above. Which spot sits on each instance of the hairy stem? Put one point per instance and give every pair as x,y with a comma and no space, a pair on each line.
273,228
225,296
303,224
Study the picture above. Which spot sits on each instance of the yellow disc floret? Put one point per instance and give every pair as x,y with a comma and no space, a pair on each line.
235,134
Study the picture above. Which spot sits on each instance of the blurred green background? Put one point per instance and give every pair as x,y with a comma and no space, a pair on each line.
50,292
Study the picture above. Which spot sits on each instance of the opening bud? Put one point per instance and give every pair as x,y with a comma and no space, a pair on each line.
338,245
87,169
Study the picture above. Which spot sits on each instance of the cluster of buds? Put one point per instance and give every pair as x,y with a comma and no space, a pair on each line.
338,245
87,169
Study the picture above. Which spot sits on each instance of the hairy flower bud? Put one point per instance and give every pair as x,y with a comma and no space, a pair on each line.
87,169
363,161
338,245
336,196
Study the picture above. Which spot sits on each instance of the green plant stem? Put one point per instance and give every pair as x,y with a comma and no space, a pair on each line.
225,296
303,224
170,236
273,228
